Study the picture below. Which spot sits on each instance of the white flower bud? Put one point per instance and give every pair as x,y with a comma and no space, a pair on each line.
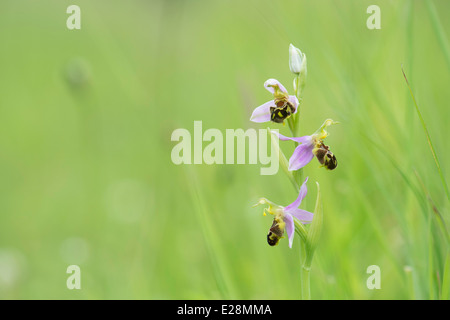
296,58
297,64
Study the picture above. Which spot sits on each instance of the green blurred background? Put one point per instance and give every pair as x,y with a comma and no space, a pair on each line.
86,177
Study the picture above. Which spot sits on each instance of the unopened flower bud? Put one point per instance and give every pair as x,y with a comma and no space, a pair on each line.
297,60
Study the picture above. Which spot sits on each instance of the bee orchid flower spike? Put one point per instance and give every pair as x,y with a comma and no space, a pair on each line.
284,217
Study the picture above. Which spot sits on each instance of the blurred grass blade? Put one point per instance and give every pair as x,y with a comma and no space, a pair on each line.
442,37
211,242
431,265
437,213
419,196
446,279
436,160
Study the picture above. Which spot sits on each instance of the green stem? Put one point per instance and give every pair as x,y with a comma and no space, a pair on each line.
298,175
291,124
283,161
305,272
306,292
294,126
